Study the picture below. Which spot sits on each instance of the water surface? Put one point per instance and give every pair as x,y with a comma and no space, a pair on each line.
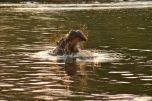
126,31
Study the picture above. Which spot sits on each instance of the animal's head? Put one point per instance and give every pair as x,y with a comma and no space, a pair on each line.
76,36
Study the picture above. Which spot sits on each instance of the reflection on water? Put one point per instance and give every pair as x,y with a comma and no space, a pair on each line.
120,39
50,7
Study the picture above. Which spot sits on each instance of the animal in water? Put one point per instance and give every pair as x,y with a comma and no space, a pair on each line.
67,50
70,44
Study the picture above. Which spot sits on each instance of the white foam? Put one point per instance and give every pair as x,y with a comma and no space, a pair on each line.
84,55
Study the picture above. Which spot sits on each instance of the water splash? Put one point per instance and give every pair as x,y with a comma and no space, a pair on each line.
83,56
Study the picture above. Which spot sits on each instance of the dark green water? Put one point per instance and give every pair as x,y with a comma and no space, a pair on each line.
124,31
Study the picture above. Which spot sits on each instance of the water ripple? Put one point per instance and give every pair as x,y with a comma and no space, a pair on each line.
121,67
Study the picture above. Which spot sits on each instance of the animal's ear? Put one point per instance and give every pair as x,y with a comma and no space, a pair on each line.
71,31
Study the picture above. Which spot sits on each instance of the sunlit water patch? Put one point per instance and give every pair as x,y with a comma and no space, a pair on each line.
69,7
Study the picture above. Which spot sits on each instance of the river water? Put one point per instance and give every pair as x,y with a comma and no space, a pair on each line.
119,32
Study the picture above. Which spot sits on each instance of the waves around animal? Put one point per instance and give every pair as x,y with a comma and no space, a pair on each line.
83,56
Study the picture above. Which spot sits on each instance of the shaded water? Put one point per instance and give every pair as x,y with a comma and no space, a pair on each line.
112,31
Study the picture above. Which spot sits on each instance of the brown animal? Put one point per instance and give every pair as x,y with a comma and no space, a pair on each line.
69,44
